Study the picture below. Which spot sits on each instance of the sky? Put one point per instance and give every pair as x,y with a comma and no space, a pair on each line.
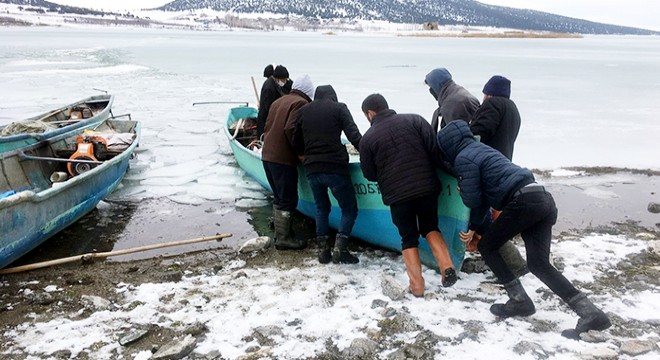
635,13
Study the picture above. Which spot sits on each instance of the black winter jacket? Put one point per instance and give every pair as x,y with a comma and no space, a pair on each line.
400,152
497,122
485,177
270,92
318,133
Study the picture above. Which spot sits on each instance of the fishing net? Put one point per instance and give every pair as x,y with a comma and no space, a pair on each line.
26,127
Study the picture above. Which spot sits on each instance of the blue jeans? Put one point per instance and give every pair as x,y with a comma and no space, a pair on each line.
342,190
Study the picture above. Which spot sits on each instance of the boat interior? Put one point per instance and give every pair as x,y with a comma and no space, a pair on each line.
37,167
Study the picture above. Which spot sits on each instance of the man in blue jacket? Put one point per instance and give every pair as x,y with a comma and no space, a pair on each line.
486,178
399,151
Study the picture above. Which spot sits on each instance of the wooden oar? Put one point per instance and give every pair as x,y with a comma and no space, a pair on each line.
256,93
103,255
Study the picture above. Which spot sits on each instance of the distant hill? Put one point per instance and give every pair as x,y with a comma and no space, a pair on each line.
444,12
47,6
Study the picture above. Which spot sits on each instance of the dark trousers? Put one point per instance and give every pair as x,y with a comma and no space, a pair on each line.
341,187
283,179
531,215
415,217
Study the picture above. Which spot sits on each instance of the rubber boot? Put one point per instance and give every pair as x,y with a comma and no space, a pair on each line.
414,270
513,259
325,249
441,254
340,254
284,239
519,303
591,317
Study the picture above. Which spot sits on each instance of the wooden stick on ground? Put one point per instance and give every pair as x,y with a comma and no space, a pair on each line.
103,255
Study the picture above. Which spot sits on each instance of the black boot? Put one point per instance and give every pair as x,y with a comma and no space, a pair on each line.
591,317
325,249
519,303
340,254
284,239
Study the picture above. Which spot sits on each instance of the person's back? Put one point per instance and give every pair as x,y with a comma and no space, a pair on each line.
454,101
402,148
497,121
274,87
318,138
318,133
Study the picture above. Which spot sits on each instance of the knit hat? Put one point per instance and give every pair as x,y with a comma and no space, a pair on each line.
281,72
268,71
304,84
498,86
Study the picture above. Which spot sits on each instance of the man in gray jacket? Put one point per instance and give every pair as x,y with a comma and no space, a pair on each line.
454,101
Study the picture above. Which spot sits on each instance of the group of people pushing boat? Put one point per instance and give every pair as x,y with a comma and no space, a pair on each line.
402,152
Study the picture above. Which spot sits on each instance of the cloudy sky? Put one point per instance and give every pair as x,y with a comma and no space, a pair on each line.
636,13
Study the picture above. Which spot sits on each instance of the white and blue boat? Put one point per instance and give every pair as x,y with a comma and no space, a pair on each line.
374,222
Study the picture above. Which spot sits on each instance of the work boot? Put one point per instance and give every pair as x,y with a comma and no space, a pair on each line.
519,303
414,270
325,249
284,239
340,254
514,261
591,317
441,254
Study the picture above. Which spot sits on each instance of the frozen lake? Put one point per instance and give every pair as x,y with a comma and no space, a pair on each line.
584,102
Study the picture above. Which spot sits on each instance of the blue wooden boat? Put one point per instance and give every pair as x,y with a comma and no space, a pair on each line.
81,114
37,198
374,223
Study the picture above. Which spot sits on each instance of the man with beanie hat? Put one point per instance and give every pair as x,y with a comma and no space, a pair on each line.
486,178
399,151
497,121
318,138
281,161
268,71
276,85
454,101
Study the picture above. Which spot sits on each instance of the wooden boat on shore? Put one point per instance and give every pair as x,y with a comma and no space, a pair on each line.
374,223
81,114
47,186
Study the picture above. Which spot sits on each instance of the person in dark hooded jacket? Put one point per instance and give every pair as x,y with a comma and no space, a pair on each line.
454,101
318,137
275,86
399,151
486,178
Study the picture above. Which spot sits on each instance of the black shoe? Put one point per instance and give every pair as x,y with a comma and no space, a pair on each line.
591,317
450,277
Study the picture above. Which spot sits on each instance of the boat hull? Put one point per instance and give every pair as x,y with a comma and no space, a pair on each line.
102,102
29,218
374,223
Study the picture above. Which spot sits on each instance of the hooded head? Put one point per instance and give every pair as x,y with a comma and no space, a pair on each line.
280,72
268,71
498,86
453,138
436,79
304,84
325,92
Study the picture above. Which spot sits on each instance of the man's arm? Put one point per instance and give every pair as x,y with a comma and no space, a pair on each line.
486,121
348,126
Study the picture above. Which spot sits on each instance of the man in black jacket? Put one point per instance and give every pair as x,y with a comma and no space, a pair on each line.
497,121
274,87
318,136
399,151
